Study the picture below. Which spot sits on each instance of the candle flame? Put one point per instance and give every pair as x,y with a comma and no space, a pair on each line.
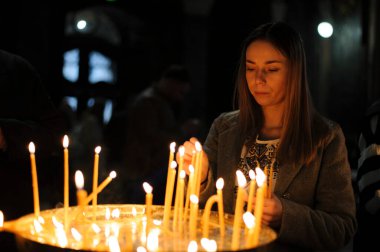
79,179
56,223
37,226
192,247
194,199
77,236
113,244
249,219
98,149
242,181
134,212
113,174
141,249
181,150
65,141
172,147
191,168
95,227
152,240
148,188
108,213
220,183
260,177
115,213
208,245
198,146
173,164
182,174
32,148
252,175
1,219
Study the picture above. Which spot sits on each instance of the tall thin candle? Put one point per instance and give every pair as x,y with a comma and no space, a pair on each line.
181,151
261,183
193,216
238,209
252,189
148,205
99,188
36,199
169,193
219,188
95,179
65,180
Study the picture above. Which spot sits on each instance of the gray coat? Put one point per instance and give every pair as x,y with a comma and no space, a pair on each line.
318,200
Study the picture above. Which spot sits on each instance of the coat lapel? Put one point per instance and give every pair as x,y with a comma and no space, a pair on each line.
286,175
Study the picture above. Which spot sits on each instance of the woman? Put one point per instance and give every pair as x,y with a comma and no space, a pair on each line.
312,204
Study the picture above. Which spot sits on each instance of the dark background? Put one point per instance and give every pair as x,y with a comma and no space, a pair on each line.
205,36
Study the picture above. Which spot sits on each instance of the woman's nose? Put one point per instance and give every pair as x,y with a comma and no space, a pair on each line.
260,77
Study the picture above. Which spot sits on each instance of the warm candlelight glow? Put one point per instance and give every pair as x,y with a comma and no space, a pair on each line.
209,245
32,148
249,221
113,244
192,247
79,179
75,233
147,188
220,184
260,177
1,219
65,141
172,147
98,149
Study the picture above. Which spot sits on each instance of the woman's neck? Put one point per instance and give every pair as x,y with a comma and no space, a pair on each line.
273,122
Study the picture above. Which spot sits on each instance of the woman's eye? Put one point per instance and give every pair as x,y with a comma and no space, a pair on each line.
273,69
250,69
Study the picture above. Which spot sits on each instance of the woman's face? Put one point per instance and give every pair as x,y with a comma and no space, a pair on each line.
266,74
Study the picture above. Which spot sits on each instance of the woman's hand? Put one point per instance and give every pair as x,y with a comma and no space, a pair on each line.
272,211
190,152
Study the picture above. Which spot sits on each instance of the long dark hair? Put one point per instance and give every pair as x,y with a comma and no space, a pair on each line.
296,143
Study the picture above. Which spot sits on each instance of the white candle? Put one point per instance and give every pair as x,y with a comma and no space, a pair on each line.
181,151
36,199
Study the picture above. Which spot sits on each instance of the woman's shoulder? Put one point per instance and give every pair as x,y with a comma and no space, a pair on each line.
326,129
227,120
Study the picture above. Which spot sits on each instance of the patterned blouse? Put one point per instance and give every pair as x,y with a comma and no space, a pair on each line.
259,153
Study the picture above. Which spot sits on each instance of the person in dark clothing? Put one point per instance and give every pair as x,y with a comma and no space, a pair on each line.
27,114
368,180
154,120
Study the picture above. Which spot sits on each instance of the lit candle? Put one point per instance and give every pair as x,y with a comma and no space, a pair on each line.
198,167
169,193
193,216
95,180
218,198
81,193
181,199
261,183
189,190
238,209
167,204
36,199
249,221
252,189
65,179
148,204
219,187
181,151
99,188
